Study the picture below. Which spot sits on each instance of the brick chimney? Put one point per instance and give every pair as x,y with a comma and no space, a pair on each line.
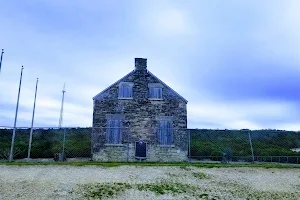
141,64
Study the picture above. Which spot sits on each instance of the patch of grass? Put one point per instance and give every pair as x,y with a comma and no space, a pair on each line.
203,195
102,190
271,195
173,175
201,175
186,168
228,190
165,187
240,191
109,190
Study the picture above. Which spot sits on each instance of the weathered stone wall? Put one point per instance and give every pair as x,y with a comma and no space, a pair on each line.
155,153
142,114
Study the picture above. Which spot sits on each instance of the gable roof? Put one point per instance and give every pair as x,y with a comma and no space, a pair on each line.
120,80
167,86
160,81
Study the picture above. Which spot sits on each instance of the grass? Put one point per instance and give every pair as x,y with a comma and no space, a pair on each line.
101,190
183,165
230,190
165,187
239,191
108,190
203,195
174,175
201,175
186,168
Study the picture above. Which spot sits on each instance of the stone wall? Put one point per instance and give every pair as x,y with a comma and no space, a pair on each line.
126,153
155,153
142,113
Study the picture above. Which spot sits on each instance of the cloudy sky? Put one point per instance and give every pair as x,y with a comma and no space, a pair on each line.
236,62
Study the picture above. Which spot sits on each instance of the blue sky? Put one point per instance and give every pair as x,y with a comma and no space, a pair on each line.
236,62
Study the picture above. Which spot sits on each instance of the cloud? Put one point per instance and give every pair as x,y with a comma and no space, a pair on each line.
237,63
238,115
288,126
168,23
165,21
278,35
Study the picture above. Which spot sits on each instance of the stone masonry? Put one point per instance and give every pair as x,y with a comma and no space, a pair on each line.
140,116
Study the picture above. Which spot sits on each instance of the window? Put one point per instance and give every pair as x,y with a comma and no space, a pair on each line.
125,90
114,131
155,90
165,132
155,93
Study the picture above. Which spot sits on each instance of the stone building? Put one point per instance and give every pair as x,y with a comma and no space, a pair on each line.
139,117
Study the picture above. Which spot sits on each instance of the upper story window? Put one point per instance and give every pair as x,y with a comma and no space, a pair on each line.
155,90
125,90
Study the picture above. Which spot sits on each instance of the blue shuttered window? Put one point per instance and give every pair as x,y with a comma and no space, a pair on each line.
125,90
165,133
155,92
114,132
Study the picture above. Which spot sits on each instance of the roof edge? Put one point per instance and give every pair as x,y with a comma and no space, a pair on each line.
113,84
167,86
132,73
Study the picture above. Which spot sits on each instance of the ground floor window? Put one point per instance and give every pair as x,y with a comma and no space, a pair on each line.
165,132
114,132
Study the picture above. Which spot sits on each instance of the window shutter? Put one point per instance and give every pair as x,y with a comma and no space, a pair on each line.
160,133
119,131
128,91
169,133
125,90
109,133
165,133
151,92
121,91
113,132
159,93
155,92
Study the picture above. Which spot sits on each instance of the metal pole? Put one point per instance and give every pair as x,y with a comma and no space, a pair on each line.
62,108
189,143
16,115
1,59
63,147
31,130
250,141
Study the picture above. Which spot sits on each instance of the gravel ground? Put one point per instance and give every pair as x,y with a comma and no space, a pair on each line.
67,182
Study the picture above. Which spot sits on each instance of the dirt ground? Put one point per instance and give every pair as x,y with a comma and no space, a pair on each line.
147,182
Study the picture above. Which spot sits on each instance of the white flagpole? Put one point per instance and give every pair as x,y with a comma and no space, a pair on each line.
16,115
31,130
1,59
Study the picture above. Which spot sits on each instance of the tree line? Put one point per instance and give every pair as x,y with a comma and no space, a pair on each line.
204,143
